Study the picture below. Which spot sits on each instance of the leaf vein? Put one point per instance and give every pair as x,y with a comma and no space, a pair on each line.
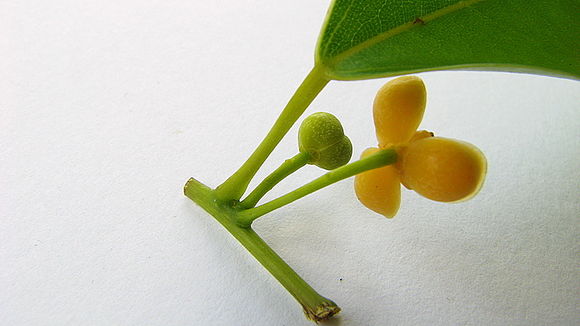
399,29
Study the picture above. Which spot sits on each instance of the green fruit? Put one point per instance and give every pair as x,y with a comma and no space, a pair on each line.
336,155
322,136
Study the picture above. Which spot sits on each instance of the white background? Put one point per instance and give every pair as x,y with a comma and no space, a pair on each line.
108,107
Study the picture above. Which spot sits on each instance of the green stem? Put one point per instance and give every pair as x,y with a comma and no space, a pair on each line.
316,307
285,169
379,159
235,186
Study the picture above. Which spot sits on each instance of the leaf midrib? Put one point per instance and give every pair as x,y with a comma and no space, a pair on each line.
400,29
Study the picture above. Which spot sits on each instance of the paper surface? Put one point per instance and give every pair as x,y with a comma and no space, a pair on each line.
106,109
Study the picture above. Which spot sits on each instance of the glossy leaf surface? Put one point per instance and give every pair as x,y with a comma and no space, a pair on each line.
364,39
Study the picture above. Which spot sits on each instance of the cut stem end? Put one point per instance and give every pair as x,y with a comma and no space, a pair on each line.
322,312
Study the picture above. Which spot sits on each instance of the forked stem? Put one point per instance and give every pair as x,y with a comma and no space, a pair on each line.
289,166
381,158
238,223
235,186
223,203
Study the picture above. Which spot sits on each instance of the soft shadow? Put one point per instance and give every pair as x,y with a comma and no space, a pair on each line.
334,321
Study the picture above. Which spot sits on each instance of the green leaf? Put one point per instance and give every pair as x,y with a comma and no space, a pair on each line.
364,39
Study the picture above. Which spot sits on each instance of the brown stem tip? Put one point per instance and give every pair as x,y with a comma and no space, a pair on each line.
322,312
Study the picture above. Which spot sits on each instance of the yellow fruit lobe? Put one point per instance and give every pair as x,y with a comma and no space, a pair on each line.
379,189
398,109
420,134
443,169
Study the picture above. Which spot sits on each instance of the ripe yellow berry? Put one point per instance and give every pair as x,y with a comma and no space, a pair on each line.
420,134
379,189
398,109
443,169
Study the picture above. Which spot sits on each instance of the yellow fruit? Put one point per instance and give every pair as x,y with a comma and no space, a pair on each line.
379,189
420,134
398,109
443,169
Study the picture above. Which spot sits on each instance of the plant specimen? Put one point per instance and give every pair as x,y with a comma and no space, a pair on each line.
364,39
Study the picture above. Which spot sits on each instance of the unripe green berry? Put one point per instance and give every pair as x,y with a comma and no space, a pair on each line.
318,131
335,156
322,136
